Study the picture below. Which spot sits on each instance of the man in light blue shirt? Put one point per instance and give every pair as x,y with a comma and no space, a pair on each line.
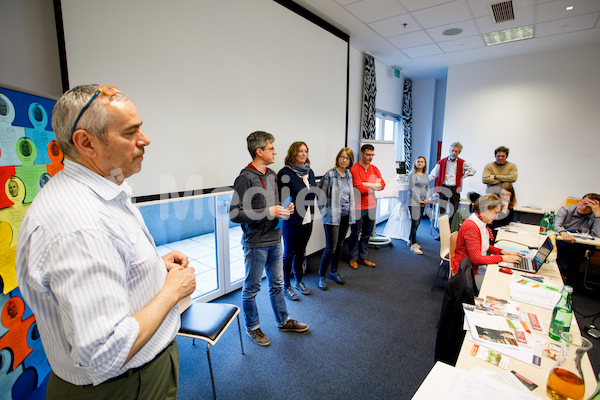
104,300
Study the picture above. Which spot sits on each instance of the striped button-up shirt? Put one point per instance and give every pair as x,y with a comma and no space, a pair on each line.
85,264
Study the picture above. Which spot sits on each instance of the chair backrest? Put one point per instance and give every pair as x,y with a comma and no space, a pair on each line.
444,225
453,240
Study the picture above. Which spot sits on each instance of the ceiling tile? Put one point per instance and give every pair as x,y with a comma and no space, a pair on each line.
469,28
565,25
414,5
346,2
523,16
467,43
410,39
375,10
557,9
443,14
394,26
422,51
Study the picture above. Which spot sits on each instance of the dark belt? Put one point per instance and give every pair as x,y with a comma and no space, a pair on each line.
132,371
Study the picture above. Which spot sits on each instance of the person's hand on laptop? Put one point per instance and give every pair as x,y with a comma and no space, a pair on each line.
512,257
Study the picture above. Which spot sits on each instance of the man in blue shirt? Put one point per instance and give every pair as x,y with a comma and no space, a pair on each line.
583,217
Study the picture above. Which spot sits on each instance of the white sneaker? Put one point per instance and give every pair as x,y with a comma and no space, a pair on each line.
415,249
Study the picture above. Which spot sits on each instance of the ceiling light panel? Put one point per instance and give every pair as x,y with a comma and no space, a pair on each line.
508,35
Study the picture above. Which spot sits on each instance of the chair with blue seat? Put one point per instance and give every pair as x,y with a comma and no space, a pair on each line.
208,322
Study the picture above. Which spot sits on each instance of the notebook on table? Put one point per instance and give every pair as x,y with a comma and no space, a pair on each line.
532,265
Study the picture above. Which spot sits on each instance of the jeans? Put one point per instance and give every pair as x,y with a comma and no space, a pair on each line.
416,212
361,233
334,239
295,239
269,258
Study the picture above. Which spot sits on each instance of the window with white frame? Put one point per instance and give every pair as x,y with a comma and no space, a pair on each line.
388,127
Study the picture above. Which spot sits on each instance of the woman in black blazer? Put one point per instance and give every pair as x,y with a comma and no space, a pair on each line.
296,182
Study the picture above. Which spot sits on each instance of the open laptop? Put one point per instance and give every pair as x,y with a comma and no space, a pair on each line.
532,265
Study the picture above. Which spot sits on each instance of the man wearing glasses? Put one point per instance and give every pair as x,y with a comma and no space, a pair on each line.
366,178
255,205
104,301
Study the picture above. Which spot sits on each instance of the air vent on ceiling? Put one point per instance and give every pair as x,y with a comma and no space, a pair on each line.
503,11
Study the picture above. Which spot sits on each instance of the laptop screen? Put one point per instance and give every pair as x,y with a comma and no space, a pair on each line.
543,252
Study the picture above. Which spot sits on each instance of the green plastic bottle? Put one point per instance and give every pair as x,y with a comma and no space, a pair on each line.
562,314
551,221
544,224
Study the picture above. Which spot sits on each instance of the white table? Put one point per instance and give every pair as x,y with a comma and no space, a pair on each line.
496,284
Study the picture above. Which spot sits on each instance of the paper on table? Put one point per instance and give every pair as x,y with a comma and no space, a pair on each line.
529,291
477,385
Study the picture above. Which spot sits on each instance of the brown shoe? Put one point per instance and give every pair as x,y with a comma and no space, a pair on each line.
353,264
367,263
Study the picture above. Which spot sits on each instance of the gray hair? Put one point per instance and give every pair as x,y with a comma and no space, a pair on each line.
456,144
258,140
94,120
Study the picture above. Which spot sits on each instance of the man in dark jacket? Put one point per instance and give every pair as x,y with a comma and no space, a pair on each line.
255,205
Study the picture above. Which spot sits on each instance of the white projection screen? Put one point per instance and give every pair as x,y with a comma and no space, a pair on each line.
206,73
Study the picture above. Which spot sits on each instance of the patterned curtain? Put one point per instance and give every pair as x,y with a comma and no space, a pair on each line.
407,121
369,93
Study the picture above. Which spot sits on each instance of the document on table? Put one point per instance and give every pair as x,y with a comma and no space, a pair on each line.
502,336
480,384
531,291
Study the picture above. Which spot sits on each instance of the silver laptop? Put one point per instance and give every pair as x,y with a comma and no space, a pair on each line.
532,265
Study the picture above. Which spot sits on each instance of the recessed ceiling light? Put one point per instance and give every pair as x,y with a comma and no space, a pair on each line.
452,31
569,8
509,35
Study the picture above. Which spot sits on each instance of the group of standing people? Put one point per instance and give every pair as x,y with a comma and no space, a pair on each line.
269,206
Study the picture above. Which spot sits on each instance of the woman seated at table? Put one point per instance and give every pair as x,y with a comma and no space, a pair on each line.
509,199
474,237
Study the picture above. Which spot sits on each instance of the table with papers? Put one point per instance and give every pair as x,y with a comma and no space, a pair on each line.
498,285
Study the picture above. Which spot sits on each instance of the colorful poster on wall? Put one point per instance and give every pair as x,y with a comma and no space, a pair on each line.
29,157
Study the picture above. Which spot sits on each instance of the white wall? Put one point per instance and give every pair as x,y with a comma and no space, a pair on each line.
545,107
28,49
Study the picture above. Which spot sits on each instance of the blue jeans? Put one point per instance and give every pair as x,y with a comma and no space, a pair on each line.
360,234
269,258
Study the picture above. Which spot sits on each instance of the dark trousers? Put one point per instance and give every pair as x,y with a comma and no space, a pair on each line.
570,257
295,239
334,240
416,212
157,379
360,234
453,199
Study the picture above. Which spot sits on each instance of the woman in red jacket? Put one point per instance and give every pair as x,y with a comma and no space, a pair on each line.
474,237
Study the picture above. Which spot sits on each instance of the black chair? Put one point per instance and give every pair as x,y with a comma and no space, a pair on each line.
208,321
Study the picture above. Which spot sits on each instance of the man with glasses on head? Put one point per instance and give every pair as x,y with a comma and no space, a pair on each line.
448,174
500,171
366,178
104,300
255,205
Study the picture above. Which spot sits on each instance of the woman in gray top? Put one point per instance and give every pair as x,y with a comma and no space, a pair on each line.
418,185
